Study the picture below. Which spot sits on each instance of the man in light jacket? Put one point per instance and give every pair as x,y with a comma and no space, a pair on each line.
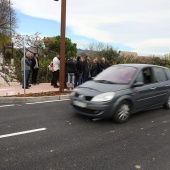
56,65
28,64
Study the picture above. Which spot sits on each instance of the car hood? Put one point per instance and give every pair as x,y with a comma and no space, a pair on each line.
102,87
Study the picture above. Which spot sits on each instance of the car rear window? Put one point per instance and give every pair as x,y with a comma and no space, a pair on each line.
168,73
160,74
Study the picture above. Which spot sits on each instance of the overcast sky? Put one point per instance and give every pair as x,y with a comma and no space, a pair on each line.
142,26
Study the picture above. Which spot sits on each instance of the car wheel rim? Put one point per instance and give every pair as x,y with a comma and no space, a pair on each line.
123,112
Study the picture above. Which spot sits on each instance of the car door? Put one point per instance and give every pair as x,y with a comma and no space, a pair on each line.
144,96
162,84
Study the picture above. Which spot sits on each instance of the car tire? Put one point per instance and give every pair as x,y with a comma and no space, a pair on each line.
167,104
123,112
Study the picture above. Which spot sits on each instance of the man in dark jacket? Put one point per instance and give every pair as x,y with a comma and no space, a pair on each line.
103,64
86,69
35,68
66,74
71,69
79,66
95,68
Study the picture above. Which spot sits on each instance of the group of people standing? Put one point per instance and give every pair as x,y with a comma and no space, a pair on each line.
80,70
31,66
77,70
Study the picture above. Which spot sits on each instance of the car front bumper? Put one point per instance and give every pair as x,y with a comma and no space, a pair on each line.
93,109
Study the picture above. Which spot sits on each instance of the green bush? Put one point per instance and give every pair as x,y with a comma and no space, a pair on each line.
17,64
44,75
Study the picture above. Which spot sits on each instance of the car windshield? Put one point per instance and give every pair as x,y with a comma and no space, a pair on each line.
116,75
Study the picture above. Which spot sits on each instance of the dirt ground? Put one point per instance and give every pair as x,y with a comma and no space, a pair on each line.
51,93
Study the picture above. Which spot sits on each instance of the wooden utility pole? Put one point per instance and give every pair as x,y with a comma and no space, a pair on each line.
62,45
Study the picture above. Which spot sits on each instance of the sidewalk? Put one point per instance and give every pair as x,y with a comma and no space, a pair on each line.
7,93
17,89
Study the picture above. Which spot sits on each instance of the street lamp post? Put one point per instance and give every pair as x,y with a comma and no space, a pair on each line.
62,44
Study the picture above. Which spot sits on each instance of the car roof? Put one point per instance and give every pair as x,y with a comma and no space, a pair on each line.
141,65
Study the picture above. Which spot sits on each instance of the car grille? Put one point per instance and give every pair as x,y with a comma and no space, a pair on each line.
85,110
87,98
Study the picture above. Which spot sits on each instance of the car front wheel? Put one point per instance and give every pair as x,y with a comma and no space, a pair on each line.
123,112
167,104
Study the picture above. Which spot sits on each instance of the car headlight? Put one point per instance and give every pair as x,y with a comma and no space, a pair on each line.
103,97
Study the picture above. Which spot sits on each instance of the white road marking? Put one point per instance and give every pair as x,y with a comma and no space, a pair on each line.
22,133
48,101
7,105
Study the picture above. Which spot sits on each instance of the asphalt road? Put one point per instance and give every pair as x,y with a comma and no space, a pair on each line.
60,139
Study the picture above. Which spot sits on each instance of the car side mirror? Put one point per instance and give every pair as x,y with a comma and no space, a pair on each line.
138,84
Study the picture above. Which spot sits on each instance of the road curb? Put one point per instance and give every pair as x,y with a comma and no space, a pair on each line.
32,99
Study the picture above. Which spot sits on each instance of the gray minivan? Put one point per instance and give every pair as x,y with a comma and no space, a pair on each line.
122,90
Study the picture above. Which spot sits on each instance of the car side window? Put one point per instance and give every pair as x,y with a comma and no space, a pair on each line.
139,77
160,75
168,73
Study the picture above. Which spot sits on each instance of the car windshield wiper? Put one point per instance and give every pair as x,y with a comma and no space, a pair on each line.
105,81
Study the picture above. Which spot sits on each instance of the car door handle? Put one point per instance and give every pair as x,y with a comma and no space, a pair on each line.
167,85
153,88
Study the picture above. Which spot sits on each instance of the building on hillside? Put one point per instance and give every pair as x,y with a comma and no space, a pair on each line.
167,57
128,54
145,57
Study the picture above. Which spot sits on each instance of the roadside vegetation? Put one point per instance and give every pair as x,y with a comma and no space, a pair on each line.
111,55
47,47
8,21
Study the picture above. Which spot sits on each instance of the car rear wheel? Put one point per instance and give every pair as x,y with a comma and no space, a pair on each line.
167,104
123,112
